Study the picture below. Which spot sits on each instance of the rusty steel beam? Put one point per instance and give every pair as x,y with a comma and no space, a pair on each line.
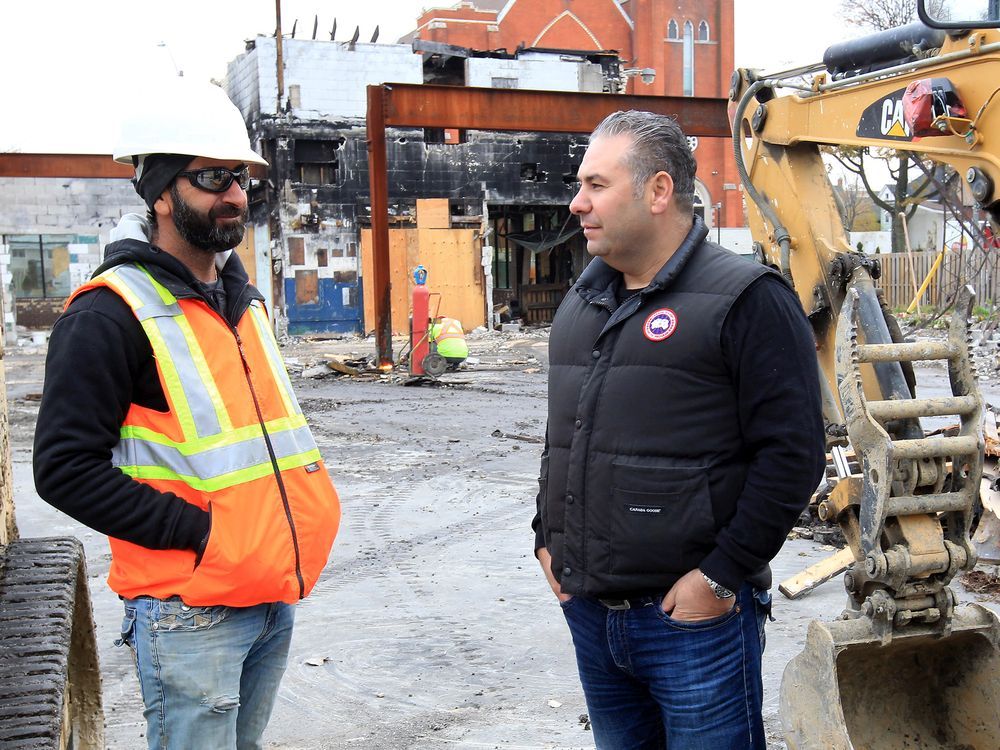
378,180
62,165
84,166
428,106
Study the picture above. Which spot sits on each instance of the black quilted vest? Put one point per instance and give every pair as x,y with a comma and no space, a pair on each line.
645,461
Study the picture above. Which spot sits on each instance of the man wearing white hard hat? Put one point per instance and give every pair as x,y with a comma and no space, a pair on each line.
168,423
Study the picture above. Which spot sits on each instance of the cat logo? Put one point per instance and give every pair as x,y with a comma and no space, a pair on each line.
884,119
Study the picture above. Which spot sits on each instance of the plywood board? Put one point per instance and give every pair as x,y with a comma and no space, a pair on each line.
454,268
403,258
433,213
816,574
306,288
453,261
296,251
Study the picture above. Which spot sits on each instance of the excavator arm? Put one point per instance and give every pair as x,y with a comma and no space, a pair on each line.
902,658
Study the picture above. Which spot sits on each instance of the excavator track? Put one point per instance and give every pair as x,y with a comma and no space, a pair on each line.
50,688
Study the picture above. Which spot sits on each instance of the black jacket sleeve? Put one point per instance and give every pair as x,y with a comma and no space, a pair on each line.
99,362
543,479
770,350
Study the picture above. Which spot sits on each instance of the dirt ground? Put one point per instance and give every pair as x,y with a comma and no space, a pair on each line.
432,625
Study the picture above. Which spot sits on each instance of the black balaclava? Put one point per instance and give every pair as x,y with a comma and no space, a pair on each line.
158,171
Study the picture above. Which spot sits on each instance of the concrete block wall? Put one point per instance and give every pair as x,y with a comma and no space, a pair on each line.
52,205
331,78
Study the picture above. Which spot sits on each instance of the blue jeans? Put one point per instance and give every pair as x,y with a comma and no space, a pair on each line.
652,682
209,675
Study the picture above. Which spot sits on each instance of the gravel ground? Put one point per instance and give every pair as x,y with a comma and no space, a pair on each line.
432,625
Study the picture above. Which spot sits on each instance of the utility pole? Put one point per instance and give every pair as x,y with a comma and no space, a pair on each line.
281,64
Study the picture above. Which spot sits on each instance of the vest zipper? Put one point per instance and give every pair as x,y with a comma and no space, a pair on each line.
274,463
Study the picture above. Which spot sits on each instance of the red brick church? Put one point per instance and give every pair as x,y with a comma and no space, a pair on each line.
689,43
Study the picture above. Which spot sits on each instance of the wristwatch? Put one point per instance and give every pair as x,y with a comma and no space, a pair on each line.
720,591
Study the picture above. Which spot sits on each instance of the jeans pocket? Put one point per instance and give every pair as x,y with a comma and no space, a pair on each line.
701,625
127,637
762,605
173,614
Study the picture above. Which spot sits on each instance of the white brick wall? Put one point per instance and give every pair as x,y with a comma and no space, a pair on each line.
548,74
330,77
243,84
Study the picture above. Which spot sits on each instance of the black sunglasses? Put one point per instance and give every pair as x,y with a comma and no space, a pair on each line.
218,179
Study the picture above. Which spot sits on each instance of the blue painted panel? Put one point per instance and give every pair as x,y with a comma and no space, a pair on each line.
339,309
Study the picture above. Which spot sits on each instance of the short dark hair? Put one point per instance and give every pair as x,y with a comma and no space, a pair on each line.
658,145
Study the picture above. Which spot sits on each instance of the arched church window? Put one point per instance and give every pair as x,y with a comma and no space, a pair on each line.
672,32
698,204
688,59
703,31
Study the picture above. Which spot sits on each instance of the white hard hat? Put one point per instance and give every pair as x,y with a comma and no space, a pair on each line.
181,116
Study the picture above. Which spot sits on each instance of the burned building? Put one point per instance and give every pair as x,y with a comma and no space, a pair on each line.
485,212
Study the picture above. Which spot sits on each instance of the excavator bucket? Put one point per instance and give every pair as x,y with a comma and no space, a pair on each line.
922,691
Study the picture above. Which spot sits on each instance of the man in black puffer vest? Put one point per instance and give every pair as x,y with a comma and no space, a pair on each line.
684,438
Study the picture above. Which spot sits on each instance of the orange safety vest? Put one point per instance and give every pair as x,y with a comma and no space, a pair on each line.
234,441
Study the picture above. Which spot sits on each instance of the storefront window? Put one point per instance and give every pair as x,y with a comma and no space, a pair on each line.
39,264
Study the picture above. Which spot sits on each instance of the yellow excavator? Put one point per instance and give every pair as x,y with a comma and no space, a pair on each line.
50,683
905,665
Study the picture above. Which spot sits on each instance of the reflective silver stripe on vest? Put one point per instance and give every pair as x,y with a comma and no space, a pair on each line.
163,315
270,344
213,462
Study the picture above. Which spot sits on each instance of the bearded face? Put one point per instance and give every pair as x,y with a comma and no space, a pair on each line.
204,230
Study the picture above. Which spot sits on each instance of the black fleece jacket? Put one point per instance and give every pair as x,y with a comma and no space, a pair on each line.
99,362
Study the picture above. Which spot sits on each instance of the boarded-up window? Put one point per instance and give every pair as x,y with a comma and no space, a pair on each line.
297,251
306,288
316,161
338,252
321,258
352,250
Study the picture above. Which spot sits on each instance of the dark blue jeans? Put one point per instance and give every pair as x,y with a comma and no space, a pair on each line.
652,682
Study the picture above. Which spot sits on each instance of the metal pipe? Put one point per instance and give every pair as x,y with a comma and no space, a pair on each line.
905,352
935,447
923,407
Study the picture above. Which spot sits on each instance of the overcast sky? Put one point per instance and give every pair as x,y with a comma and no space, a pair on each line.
69,65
